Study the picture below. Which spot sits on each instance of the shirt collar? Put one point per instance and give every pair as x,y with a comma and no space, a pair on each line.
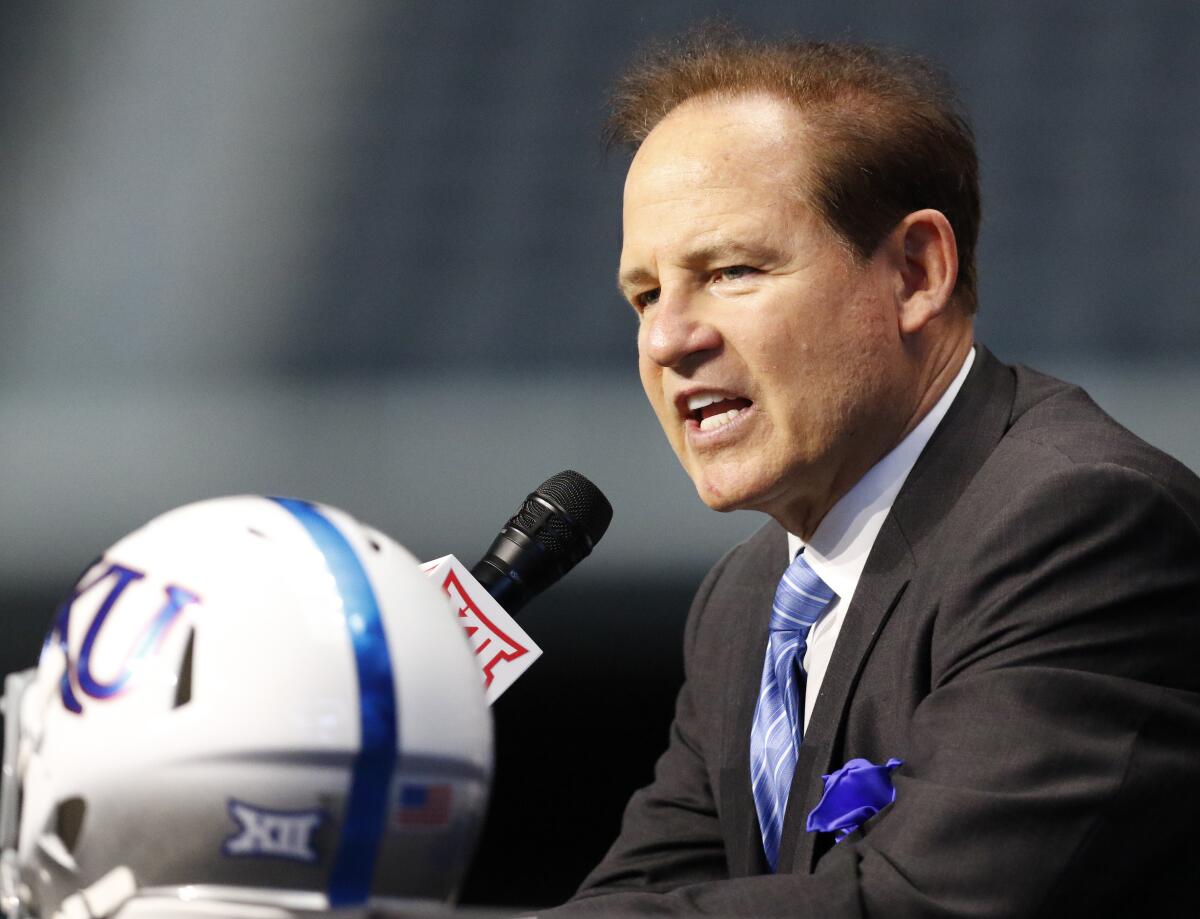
839,548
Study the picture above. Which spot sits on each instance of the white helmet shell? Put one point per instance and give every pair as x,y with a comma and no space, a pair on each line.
259,701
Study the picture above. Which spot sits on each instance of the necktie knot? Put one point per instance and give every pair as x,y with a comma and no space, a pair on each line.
800,598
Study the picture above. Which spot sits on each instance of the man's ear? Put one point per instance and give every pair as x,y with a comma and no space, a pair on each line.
927,259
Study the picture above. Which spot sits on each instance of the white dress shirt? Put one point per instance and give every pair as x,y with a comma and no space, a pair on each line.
839,548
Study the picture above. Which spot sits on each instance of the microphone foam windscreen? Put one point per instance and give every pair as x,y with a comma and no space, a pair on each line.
582,501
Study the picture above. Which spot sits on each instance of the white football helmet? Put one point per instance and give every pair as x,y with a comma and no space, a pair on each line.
249,707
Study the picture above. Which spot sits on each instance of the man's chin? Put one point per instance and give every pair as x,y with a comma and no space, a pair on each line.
725,495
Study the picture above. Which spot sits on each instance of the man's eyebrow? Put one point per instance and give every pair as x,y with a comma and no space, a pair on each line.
719,252
727,251
634,277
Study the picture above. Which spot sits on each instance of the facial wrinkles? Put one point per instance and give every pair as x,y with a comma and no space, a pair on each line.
703,234
805,336
691,185
735,225
688,168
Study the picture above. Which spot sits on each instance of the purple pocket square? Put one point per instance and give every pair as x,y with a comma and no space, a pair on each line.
853,795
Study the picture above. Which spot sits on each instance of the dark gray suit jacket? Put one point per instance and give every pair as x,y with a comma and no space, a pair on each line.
1025,637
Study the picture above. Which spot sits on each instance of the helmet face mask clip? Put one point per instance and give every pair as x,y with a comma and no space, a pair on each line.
249,706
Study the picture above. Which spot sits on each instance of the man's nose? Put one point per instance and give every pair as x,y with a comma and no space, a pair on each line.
677,328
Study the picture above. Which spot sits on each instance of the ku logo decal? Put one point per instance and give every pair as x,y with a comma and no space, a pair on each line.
78,676
273,834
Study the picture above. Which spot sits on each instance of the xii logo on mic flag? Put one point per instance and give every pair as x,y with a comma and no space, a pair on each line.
502,648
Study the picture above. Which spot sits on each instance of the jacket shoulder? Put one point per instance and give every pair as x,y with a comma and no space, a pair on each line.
1057,424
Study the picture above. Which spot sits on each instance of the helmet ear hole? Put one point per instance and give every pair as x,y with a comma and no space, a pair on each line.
68,821
183,684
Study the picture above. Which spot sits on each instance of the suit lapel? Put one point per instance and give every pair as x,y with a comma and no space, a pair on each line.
967,435
888,570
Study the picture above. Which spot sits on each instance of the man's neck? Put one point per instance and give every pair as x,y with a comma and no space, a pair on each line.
846,534
940,370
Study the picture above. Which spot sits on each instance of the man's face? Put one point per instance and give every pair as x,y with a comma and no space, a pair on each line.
770,355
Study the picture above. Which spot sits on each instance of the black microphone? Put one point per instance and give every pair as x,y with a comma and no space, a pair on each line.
554,530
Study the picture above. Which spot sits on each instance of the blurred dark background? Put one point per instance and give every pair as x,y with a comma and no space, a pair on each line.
363,252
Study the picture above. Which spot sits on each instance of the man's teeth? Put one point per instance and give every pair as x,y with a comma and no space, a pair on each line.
716,421
706,398
705,408
700,400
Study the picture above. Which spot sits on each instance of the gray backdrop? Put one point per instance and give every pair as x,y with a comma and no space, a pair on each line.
363,252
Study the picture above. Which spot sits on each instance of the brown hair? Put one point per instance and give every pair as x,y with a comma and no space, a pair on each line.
893,136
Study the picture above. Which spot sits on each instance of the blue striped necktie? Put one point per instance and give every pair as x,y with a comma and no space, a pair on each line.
778,722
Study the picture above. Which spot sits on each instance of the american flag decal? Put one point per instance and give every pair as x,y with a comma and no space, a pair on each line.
423,805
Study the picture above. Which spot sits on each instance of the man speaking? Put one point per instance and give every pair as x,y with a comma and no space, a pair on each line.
956,673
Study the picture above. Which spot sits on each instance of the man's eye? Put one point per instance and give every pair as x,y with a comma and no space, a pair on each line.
733,272
646,298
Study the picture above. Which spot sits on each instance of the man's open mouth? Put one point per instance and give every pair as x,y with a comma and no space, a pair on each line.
711,410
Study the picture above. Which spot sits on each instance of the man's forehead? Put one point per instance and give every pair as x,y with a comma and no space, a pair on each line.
728,144
708,130
680,162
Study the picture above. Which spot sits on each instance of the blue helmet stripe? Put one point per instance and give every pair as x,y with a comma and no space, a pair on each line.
366,804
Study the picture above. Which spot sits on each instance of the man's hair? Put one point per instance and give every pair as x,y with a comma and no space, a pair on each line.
890,135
